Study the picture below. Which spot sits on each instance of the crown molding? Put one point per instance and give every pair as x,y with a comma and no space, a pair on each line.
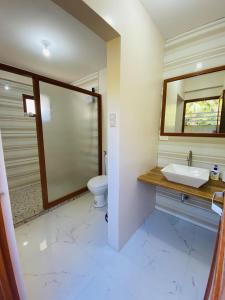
189,59
196,34
86,79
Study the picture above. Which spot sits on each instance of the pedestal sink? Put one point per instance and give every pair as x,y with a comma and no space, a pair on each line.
191,176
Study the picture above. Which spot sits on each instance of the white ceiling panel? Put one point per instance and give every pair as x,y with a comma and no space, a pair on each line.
75,50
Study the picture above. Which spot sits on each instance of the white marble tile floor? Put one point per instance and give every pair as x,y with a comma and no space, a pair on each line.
65,256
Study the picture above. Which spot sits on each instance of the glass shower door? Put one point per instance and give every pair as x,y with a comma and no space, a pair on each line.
71,133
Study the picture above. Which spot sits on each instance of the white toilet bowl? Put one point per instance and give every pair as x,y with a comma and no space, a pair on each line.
98,186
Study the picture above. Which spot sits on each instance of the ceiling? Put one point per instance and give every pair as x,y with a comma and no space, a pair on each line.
174,17
75,50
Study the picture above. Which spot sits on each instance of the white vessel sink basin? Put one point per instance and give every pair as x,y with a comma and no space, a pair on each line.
186,175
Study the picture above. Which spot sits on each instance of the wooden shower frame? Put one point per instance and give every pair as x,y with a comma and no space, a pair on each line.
36,78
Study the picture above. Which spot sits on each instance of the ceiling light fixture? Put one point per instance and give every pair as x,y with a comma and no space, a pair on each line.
45,50
199,65
6,87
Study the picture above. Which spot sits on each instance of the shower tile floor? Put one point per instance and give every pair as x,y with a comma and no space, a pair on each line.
64,256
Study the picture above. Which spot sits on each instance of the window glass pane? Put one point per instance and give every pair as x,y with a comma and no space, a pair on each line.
202,116
30,106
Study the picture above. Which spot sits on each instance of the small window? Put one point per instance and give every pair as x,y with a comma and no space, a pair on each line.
29,105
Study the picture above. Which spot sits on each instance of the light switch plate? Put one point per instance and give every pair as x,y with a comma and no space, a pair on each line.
112,119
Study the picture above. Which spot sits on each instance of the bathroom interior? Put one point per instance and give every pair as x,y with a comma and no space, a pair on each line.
112,149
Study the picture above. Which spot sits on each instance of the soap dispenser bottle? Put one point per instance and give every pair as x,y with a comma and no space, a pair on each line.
215,173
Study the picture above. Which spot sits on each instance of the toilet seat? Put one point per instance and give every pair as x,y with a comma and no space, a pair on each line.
98,181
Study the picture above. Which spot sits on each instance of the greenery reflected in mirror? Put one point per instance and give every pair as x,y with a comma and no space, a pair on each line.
202,115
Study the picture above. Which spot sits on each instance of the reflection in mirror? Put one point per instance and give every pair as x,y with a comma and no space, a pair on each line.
196,104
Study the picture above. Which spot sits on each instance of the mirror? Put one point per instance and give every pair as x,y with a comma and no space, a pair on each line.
194,104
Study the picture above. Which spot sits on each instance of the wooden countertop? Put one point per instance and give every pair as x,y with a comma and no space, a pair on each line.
205,192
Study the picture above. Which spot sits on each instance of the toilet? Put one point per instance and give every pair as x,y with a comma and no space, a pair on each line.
98,186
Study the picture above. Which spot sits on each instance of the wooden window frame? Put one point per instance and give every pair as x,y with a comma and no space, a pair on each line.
8,285
194,100
222,123
185,76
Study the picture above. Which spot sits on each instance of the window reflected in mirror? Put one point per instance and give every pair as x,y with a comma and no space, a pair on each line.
195,105
203,115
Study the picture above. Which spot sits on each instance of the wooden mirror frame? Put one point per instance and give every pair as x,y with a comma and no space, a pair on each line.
166,81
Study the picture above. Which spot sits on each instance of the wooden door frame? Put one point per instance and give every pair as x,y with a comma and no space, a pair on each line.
215,289
26,97
40,137
222,122
8,285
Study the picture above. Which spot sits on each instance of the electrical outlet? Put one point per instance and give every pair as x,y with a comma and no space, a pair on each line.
163,138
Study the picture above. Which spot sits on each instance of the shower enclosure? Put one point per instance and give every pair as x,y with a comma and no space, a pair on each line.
69,134
59,123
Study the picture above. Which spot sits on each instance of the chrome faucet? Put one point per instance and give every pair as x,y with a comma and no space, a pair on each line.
189,158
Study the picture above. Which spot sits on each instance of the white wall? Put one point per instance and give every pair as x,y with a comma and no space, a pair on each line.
181,56
204,86
179,114
134,93
174,91
205,45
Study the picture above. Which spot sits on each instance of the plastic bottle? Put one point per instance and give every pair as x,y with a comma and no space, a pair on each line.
215,173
